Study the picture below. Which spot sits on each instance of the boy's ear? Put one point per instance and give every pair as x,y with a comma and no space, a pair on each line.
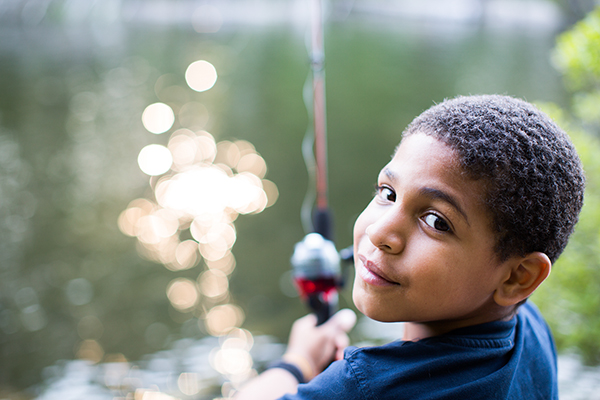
523,277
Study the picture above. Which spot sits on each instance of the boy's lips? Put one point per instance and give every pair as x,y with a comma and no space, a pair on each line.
371,274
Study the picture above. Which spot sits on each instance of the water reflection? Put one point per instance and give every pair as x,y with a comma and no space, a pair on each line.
195,369
201,197
199,188
204,369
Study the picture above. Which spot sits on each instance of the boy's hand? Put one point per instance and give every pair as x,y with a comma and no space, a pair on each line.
312,348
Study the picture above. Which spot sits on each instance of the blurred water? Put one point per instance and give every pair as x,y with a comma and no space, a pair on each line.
187,372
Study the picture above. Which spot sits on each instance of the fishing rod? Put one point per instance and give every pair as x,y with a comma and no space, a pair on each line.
316,263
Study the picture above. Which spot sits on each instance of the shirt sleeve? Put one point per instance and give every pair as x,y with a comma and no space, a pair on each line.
338,381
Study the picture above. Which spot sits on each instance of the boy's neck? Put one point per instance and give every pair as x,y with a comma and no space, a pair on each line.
415,331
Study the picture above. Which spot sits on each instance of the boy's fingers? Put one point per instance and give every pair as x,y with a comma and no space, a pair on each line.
344,319
339,353
308,321
342,341
311,319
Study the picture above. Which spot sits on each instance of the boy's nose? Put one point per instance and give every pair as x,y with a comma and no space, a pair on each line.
385,233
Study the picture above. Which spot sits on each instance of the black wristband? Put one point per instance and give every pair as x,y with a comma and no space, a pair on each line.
291,368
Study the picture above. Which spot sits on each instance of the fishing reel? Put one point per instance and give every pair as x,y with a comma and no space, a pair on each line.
318,275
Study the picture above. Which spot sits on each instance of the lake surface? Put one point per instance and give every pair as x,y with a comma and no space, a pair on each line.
74,85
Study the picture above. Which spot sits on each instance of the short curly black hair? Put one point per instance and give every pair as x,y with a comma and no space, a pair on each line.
533,177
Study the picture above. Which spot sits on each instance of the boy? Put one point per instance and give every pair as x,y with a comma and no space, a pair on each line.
477,203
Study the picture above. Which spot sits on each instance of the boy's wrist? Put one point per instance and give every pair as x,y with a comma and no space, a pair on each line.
291,368
301,363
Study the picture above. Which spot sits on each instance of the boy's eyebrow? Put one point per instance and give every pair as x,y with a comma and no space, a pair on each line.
438,194
433,194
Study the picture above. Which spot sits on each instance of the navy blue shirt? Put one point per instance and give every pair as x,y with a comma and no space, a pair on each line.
513,359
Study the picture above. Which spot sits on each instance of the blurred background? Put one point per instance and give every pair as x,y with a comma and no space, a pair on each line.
151,172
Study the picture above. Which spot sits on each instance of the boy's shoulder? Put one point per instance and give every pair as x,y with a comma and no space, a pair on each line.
472,362
529,312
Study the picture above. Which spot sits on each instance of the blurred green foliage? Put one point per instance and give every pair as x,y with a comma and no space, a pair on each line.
570,299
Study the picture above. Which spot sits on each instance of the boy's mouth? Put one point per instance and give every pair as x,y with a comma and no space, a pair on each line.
371,274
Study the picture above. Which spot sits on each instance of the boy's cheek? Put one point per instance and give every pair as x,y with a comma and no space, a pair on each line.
366,218
359,296
359,230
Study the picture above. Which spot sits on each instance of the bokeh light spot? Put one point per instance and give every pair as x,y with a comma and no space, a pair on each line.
213,251
216,233
183,148
223,318
232,361
271,191
207,147
201,75
225,264
90,350
147,394
252,163
152,229
196,191
213,283
247,193
128,220
239,338
188,383
186,254
155,159
182,294
158,118
228,153
79,291
168,222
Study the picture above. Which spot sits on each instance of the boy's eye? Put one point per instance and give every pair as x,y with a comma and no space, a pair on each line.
386,193
437,223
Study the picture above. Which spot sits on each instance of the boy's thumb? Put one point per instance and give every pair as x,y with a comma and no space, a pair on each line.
344,319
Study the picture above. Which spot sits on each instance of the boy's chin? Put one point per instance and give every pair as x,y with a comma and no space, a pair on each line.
373,310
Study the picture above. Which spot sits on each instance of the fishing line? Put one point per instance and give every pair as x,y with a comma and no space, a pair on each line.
315,207
316,261
306,212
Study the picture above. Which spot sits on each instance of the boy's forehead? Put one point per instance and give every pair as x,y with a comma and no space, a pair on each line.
454,161
421,144
419,152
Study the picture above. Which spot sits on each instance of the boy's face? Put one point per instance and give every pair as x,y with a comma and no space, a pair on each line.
423,248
